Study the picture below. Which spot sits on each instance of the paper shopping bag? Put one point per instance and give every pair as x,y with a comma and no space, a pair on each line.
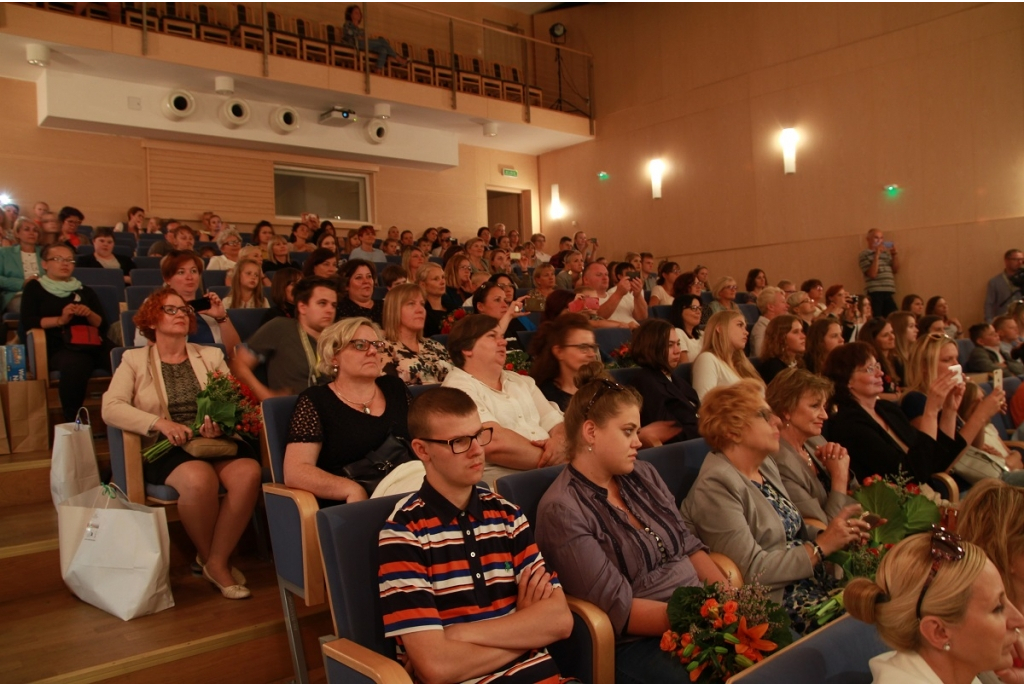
5,444
25,412
73,468
115,554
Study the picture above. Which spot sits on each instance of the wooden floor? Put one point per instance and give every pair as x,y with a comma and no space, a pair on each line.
49,635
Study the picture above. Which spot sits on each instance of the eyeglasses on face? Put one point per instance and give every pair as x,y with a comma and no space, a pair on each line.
606,385
871,369
461,445
946,546
363,345
171,310
695,308
766,414
61,260
232,243
586,347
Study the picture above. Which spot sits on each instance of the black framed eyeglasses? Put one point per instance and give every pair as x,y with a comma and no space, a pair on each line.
363,345
606,385
586,347
946,546
171,310
461,444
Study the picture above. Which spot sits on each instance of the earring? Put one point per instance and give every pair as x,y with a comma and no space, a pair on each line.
945,647
334,369
590,448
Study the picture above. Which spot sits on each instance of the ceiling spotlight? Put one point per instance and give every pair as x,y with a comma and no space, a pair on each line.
382,110
490,129
37,54
224,85
557,33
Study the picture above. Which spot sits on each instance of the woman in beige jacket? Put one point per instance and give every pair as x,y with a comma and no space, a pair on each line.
153,393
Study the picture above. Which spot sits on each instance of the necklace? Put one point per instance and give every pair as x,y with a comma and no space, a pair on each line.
366,404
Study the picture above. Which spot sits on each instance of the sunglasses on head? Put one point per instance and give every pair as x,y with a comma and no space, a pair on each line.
606,385
946,546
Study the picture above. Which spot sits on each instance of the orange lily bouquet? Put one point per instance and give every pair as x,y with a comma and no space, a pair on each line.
718,632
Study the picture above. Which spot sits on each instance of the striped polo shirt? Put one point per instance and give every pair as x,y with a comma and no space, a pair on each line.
440,566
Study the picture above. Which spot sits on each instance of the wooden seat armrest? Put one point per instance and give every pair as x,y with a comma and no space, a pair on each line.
1015,445
133,477
602,636
42,369
815,523
312,565
374,666
728,568
951,486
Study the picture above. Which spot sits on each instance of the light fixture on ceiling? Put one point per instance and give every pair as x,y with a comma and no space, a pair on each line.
224,85
5,199
557,209
37,54
490,129
789,138
557,33
657,169
382,110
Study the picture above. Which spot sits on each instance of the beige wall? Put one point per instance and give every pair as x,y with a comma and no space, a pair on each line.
927,96
104,175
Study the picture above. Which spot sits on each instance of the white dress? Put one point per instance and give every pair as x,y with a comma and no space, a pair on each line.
710,372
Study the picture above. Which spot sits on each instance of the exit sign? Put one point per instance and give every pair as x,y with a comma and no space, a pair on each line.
512,173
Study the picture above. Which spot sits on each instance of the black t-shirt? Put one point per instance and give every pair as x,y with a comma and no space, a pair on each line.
37,303
555,394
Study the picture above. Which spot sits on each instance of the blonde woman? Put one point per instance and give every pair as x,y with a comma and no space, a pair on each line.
430,279
475,248
412,259
724,292
246,287
415,359
941,605
722,361
992,517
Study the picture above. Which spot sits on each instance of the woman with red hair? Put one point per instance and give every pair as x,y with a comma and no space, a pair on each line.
153,394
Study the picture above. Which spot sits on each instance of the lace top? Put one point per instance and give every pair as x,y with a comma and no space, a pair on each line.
430,365
182,388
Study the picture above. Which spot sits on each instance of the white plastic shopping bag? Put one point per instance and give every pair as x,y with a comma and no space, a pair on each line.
115,554
73,467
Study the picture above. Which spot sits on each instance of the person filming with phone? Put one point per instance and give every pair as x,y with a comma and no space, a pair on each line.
880,264
625,303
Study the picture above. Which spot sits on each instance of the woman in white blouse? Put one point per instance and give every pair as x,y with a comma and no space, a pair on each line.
722,361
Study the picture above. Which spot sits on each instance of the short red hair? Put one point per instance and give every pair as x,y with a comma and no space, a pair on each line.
150,312
175,259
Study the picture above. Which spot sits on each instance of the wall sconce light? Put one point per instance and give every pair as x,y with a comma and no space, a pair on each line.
37,54
657,168
788,138
557,210
490,129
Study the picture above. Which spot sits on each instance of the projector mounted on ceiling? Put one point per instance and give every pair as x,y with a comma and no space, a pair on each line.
339,116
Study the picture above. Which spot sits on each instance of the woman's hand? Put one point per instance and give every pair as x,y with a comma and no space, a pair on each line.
844,529
836,460
993,403
659,432
352,491
176,433
69,312
940,389
216,309
209,429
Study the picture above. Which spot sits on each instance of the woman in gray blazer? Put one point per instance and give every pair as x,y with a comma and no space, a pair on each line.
816,473
739,506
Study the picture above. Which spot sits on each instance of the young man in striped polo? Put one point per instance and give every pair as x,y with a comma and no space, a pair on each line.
463,586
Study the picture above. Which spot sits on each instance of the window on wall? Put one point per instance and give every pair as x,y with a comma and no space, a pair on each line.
328,194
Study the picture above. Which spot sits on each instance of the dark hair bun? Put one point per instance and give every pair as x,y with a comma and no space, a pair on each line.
589,372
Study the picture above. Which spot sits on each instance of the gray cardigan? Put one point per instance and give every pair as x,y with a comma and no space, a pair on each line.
731,516
805,490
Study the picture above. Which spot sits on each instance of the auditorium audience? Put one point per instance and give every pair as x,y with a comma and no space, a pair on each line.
686,284
990,517
837,302
103,256
801,306
942,606
458,278
771,302
163,405
937,306
365,250
539,241
229,242
246,286
587,247
475,248
1001,292
543,281
72,319
823,336
876,432
412,259
20,263
327,241
587,525
262,234
669,410
986,355
740,507
816,473
972,407
559,349
879,264
183,271
339,423
755,283
279,255
491,299
913,304
322,263
700,273
571,272
904,330
721,361
878,333
724,294
70,219
416,359
357,279
664,286
282,299
136,216
784,346
625,302
1009,343
816,291
528,430
685,315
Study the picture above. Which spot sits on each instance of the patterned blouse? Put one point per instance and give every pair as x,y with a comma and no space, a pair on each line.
430,365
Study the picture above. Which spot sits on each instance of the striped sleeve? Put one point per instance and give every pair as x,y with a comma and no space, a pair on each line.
406,594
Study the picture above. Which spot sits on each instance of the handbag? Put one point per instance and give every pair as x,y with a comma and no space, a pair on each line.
81,337
974,464
371,469
73,468
211,448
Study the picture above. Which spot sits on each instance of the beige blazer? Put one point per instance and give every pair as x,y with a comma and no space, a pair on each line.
137,396
731,516
805,490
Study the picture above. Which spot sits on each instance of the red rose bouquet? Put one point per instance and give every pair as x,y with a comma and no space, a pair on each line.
451,319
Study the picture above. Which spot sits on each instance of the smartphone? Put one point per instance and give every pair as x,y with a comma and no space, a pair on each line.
888,244
516,255
201,304
873,520
997,378
536,304
633,274
593,241
958,371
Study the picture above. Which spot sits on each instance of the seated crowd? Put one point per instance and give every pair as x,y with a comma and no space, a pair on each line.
798,392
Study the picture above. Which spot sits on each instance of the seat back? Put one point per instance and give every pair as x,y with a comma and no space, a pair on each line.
678,464
115,438
110,300
684,372
143,262
836,653
417,390
609,339
128,327
526,489
348,544
212,277
247,321
751,313
135,295
625,376
147,276
277,417
525,338
660,311
706,297
113,278
964,347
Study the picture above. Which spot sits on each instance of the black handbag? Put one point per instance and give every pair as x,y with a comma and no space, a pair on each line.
371,469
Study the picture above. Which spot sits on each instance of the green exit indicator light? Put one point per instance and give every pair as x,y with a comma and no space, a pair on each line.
602,175
893,190
512,173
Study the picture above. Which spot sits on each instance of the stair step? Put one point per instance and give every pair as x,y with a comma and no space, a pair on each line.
25,477
29,557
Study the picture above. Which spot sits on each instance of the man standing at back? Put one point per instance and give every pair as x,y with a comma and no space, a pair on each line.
880,265
1001,290
463,587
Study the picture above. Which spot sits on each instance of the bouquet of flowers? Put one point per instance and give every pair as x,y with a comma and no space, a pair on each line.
229,404
451,319
518,361
718,632
905,511
621,357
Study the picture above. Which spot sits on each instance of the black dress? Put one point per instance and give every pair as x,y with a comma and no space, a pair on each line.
555,394
75,365
667,399
345,434
347,308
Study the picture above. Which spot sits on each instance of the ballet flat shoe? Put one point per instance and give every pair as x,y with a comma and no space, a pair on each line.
231,591
197,568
